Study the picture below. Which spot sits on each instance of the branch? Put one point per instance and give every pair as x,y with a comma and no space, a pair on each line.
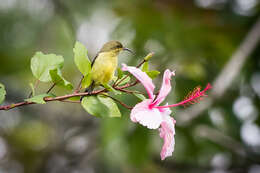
123,104
76,92
218,137
49,99
62,98
127,85
129,91
226,76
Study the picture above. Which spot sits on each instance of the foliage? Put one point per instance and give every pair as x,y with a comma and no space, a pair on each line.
81,58
2,93
39,99
42,64
47,68
58,80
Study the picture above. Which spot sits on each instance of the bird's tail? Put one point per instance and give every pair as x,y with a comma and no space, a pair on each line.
89,90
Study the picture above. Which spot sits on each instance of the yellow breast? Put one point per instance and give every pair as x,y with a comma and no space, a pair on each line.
104,67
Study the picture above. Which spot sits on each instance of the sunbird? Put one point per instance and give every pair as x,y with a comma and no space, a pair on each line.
104,64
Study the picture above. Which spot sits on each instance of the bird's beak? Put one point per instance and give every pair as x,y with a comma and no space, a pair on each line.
129,50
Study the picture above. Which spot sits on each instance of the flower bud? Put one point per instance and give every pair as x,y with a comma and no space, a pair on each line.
148,56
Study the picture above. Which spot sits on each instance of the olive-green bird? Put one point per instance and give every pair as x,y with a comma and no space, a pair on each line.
104,64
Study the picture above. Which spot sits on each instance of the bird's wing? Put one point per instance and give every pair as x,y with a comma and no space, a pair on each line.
94,59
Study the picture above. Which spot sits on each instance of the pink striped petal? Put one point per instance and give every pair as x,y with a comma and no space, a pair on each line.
142,77
165,88
149,117
167,132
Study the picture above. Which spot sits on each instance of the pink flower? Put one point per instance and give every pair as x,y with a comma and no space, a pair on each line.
150,114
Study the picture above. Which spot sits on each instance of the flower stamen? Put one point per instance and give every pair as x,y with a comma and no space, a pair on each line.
192,98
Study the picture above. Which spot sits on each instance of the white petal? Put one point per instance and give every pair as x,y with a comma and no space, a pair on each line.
149,117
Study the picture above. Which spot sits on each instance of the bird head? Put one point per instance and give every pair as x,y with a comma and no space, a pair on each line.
114,46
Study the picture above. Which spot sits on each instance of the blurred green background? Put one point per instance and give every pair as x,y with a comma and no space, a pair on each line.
194,37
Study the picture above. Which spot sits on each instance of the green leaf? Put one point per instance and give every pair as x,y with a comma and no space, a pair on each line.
81,58
100,106
59,80
94,106
110,88
41,64
2,93
120,73
153,74
140,96
32,88
39,99
145,67
111,105
87,80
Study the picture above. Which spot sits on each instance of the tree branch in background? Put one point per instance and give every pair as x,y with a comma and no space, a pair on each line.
221,139
226,76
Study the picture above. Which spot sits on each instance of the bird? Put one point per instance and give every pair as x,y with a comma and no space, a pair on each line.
104,64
